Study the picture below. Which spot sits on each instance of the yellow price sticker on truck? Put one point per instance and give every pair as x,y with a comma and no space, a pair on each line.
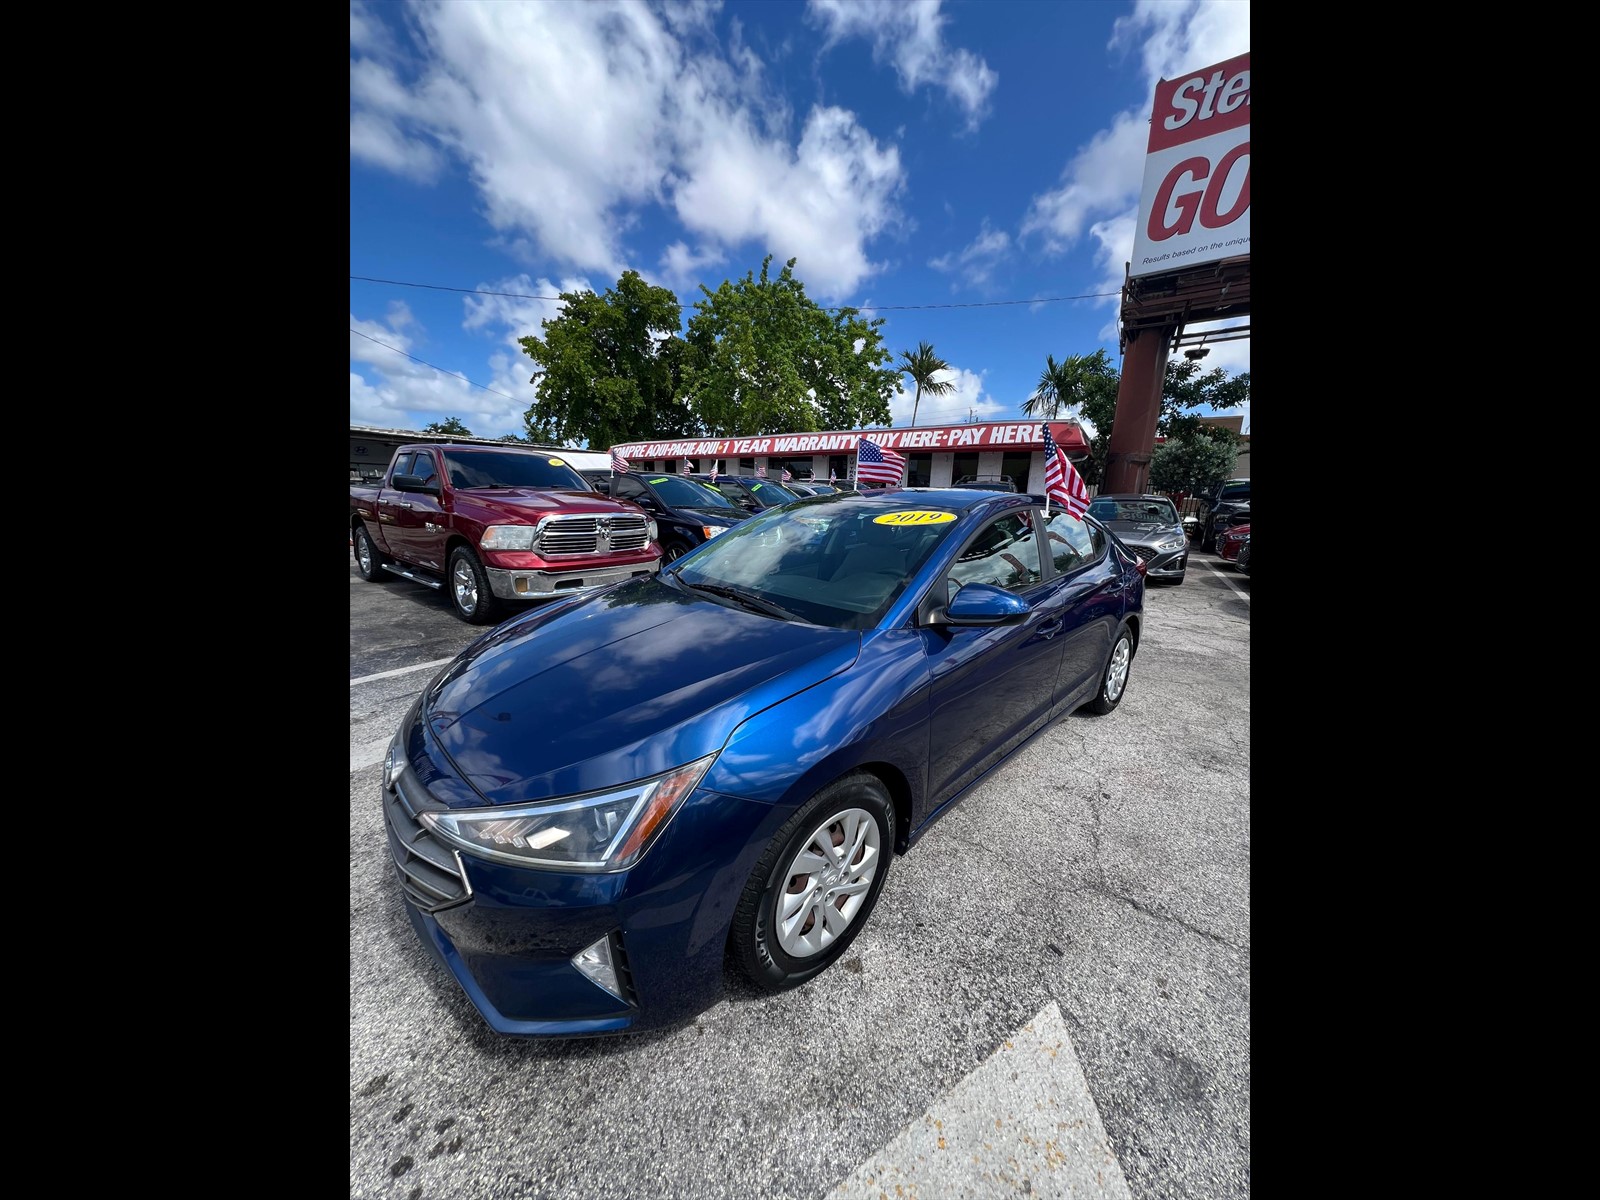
914,516
558,462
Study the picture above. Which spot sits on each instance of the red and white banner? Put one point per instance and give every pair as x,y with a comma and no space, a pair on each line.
1195,206
1019,436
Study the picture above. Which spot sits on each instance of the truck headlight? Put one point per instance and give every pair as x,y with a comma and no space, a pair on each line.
597,831
508,537
650,524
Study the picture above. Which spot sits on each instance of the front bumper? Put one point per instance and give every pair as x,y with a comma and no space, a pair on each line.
1162,564
528,584
508,934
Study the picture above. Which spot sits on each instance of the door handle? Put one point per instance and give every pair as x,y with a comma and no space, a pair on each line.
1049,631
405,504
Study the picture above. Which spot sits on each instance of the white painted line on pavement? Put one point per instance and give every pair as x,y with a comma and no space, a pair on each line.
1023,1122
1235,587
367,753
438,662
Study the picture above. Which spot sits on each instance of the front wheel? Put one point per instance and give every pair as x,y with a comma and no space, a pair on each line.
1114,679
468,585
673,551
814,887
366,554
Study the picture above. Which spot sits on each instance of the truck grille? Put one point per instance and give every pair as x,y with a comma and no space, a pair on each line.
594,535
430,873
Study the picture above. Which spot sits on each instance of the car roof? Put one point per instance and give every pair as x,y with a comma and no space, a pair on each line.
1133,496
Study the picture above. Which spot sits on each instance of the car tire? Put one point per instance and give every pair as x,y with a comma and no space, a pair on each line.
366,555
781,934
468,585
1114,678
673,551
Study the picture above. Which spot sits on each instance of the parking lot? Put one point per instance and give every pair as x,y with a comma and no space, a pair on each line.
1051,998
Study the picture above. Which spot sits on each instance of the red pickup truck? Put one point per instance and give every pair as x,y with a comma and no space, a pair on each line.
492,524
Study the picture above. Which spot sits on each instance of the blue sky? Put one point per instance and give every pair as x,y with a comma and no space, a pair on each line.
906,152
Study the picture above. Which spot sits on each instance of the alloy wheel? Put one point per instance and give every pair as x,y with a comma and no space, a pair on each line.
827,882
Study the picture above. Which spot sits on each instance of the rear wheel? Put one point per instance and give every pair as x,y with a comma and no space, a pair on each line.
1114,679
816,884
366,554
468,585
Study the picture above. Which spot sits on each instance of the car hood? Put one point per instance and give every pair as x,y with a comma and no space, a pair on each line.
1144,533
615,687
529,504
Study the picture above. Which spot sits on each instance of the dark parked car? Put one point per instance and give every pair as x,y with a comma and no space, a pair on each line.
1151,528
987,483
808,488
597,805
1228,505
1234,546
687,513
750,492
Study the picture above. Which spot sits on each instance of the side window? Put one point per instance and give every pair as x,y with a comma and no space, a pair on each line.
627,489
1073,543
402,465
424,468
1005,553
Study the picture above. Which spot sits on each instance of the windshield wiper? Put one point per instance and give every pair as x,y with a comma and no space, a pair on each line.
748,599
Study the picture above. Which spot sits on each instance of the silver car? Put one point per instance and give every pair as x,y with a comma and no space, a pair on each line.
1150,527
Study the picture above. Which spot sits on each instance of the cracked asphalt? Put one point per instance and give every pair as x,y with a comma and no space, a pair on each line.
1105,868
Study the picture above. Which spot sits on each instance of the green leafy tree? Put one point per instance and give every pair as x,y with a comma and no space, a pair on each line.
1071,383
922,366
512,437
453,425
612,368
764,358
1184,389
1192,462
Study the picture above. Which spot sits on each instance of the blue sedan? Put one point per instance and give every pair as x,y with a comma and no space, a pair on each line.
600,802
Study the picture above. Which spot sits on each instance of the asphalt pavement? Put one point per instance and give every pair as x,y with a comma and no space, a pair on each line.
1064,960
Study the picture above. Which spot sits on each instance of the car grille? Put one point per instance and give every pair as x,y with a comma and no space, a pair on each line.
430,872
1144,552
594,535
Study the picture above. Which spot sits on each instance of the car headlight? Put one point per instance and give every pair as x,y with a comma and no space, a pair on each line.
508,537
650,524
394,762
711,531
1176,543
598,831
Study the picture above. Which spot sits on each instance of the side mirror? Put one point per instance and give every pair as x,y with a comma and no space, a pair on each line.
983,604
414,483
646,502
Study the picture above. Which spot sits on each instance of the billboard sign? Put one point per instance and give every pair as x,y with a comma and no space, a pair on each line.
1195,206
1023,435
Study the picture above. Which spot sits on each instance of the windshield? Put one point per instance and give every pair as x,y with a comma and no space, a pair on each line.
822,489
1236,491
770,493
1143,512
839,560
677,492
510,468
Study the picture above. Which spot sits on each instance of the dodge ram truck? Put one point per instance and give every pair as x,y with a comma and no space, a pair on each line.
491,524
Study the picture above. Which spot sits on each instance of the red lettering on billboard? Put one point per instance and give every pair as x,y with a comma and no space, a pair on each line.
1211,100
1202,202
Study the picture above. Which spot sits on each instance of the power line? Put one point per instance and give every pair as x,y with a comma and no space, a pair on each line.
426,363
831,307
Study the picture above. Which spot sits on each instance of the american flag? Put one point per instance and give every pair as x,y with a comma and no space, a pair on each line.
786,476
874,464
761,472
832,478
1061,481
683,466
618,463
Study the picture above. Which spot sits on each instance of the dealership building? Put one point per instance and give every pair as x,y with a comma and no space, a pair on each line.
936,456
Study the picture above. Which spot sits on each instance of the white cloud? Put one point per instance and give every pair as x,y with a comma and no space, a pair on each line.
910,35
572,119
392,391
1183,35
979,259
949,409
1103,176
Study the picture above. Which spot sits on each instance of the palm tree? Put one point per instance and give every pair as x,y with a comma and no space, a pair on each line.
1064,384
922,366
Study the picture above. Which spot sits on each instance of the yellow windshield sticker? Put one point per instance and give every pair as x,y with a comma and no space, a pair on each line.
558,462
658,481
914,516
